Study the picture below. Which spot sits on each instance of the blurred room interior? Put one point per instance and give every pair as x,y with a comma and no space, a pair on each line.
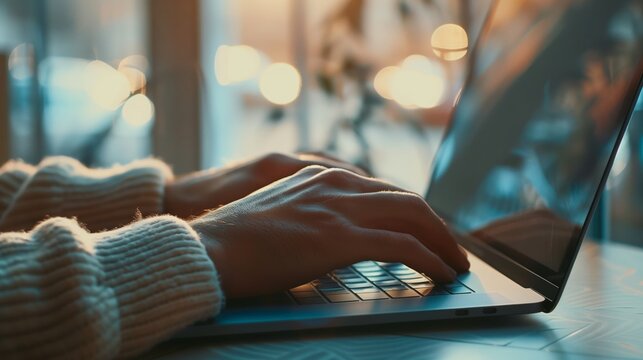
204,83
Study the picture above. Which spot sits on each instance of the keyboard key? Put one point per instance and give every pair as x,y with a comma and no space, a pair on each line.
304,294
336,298
404,272
311,301
364,264
393,287
370,274
366,290
381,278
329,286
305,287
422,285
334,291
397,294
425,291
364,285
418,281
411,277
347,277
386,282
353,281
345,271
321,281
373,296
458,289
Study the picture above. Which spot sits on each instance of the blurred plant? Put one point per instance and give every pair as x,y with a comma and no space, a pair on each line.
347,67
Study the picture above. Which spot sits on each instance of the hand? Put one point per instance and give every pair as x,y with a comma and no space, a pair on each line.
193,194
317,220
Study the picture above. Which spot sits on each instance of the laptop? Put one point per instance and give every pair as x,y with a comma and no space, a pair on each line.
550,89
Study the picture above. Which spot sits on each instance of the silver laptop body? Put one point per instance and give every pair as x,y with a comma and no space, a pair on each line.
517,176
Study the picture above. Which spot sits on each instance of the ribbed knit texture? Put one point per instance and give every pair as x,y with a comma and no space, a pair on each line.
98,198
68,293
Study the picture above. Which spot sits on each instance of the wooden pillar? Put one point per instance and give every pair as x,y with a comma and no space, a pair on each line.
174,86
5,135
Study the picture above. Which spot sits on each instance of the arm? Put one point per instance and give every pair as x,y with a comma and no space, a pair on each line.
67,292
109,198
99,199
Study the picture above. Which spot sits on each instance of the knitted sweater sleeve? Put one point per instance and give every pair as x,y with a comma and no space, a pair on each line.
98,198
66,292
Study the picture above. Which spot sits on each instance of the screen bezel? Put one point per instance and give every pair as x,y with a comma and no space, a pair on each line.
515,270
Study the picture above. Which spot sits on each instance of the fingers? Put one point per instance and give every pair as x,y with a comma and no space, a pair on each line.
374,204
275,166
344,181
389,246
405,213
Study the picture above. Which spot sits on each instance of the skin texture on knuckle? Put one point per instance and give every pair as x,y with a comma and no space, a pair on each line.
317,168
339,177
312,170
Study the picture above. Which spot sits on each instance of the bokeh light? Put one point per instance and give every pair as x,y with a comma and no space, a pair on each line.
450,42
106,86
138,62
417,83
280,83
236,63
134,67
135,78
382,81
138,110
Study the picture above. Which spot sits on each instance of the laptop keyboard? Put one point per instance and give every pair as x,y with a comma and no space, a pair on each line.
372,280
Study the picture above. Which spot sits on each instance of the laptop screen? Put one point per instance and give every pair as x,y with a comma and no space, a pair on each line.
535,127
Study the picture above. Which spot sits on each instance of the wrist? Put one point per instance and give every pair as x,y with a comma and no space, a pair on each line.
214,249
168,198
176,202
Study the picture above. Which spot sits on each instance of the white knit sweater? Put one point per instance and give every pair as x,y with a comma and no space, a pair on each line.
66,292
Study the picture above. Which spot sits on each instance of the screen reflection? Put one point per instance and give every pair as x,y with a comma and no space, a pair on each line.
535,127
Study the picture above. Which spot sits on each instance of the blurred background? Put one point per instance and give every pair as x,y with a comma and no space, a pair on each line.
203,83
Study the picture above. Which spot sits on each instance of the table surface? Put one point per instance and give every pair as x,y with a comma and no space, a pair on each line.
599,316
